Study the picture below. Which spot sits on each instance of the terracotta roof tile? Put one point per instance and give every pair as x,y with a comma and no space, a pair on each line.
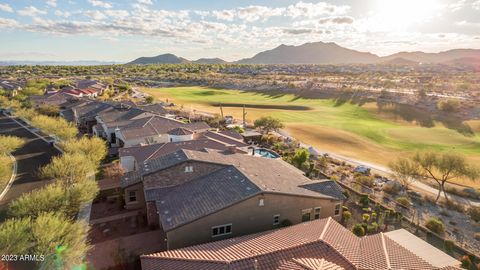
320,244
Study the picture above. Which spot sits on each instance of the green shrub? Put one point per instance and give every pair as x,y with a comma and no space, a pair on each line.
435,225
448,105
358,230
391,189
448,246
465,262
346,215
474,213
372,228
364,180
365,217
404,201
364,200
285,223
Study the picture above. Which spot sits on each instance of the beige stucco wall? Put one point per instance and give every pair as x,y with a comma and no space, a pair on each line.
248,217
140,203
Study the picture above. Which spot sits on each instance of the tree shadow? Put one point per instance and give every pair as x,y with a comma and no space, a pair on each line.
423,117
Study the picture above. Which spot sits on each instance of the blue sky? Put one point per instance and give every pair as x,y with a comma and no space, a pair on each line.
231,29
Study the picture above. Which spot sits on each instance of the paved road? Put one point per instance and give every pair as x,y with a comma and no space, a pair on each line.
34,154
375,167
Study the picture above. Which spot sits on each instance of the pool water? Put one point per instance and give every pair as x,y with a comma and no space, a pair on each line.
266,153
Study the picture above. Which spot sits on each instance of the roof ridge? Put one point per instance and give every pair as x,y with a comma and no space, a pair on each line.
384,247
325,229
156,151
226,136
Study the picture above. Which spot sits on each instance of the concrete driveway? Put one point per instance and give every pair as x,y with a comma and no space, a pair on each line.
34,154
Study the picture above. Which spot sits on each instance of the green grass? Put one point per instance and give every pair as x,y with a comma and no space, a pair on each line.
326,124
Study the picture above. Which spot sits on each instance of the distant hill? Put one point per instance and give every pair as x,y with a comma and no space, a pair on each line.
324,53
159,59
210,61
435,58
311,53
471,62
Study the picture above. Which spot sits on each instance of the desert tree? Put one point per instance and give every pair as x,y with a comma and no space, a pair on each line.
15,236
268,124
443,168
9,144
405,171
61,240
69,169
94,148
54,198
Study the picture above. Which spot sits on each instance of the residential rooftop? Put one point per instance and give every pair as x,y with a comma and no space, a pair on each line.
318,244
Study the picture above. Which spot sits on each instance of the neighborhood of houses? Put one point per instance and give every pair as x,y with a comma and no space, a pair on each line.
215,200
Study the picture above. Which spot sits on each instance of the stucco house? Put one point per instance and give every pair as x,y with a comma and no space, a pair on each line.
202,196
156,129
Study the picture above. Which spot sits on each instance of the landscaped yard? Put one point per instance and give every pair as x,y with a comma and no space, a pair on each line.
361,132
5,170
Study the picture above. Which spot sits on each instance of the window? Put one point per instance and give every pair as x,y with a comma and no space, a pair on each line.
221,230
337,209
276,219
132,196
306,214
188,169
261,202
316,213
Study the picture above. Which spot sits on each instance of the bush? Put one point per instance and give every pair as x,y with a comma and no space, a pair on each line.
451,205
404,201
364,200
9,144
474,213
448,105
465,262
448,246
364,180
358,230
346,215
435,225
285,223
391,189
372,228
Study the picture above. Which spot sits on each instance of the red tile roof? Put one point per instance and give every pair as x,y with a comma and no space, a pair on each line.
319,244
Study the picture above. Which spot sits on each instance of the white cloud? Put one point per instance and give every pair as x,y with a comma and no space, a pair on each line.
7,23
310,10
6,7
95,14
117,13
64,14
255,13
98,3
226,15
145,2
476,5
31,11
52,3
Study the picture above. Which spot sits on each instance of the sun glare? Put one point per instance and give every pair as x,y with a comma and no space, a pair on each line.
398,15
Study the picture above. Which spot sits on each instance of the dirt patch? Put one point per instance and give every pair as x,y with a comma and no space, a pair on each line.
341,142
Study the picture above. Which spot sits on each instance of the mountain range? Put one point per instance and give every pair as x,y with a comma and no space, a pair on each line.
329,53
